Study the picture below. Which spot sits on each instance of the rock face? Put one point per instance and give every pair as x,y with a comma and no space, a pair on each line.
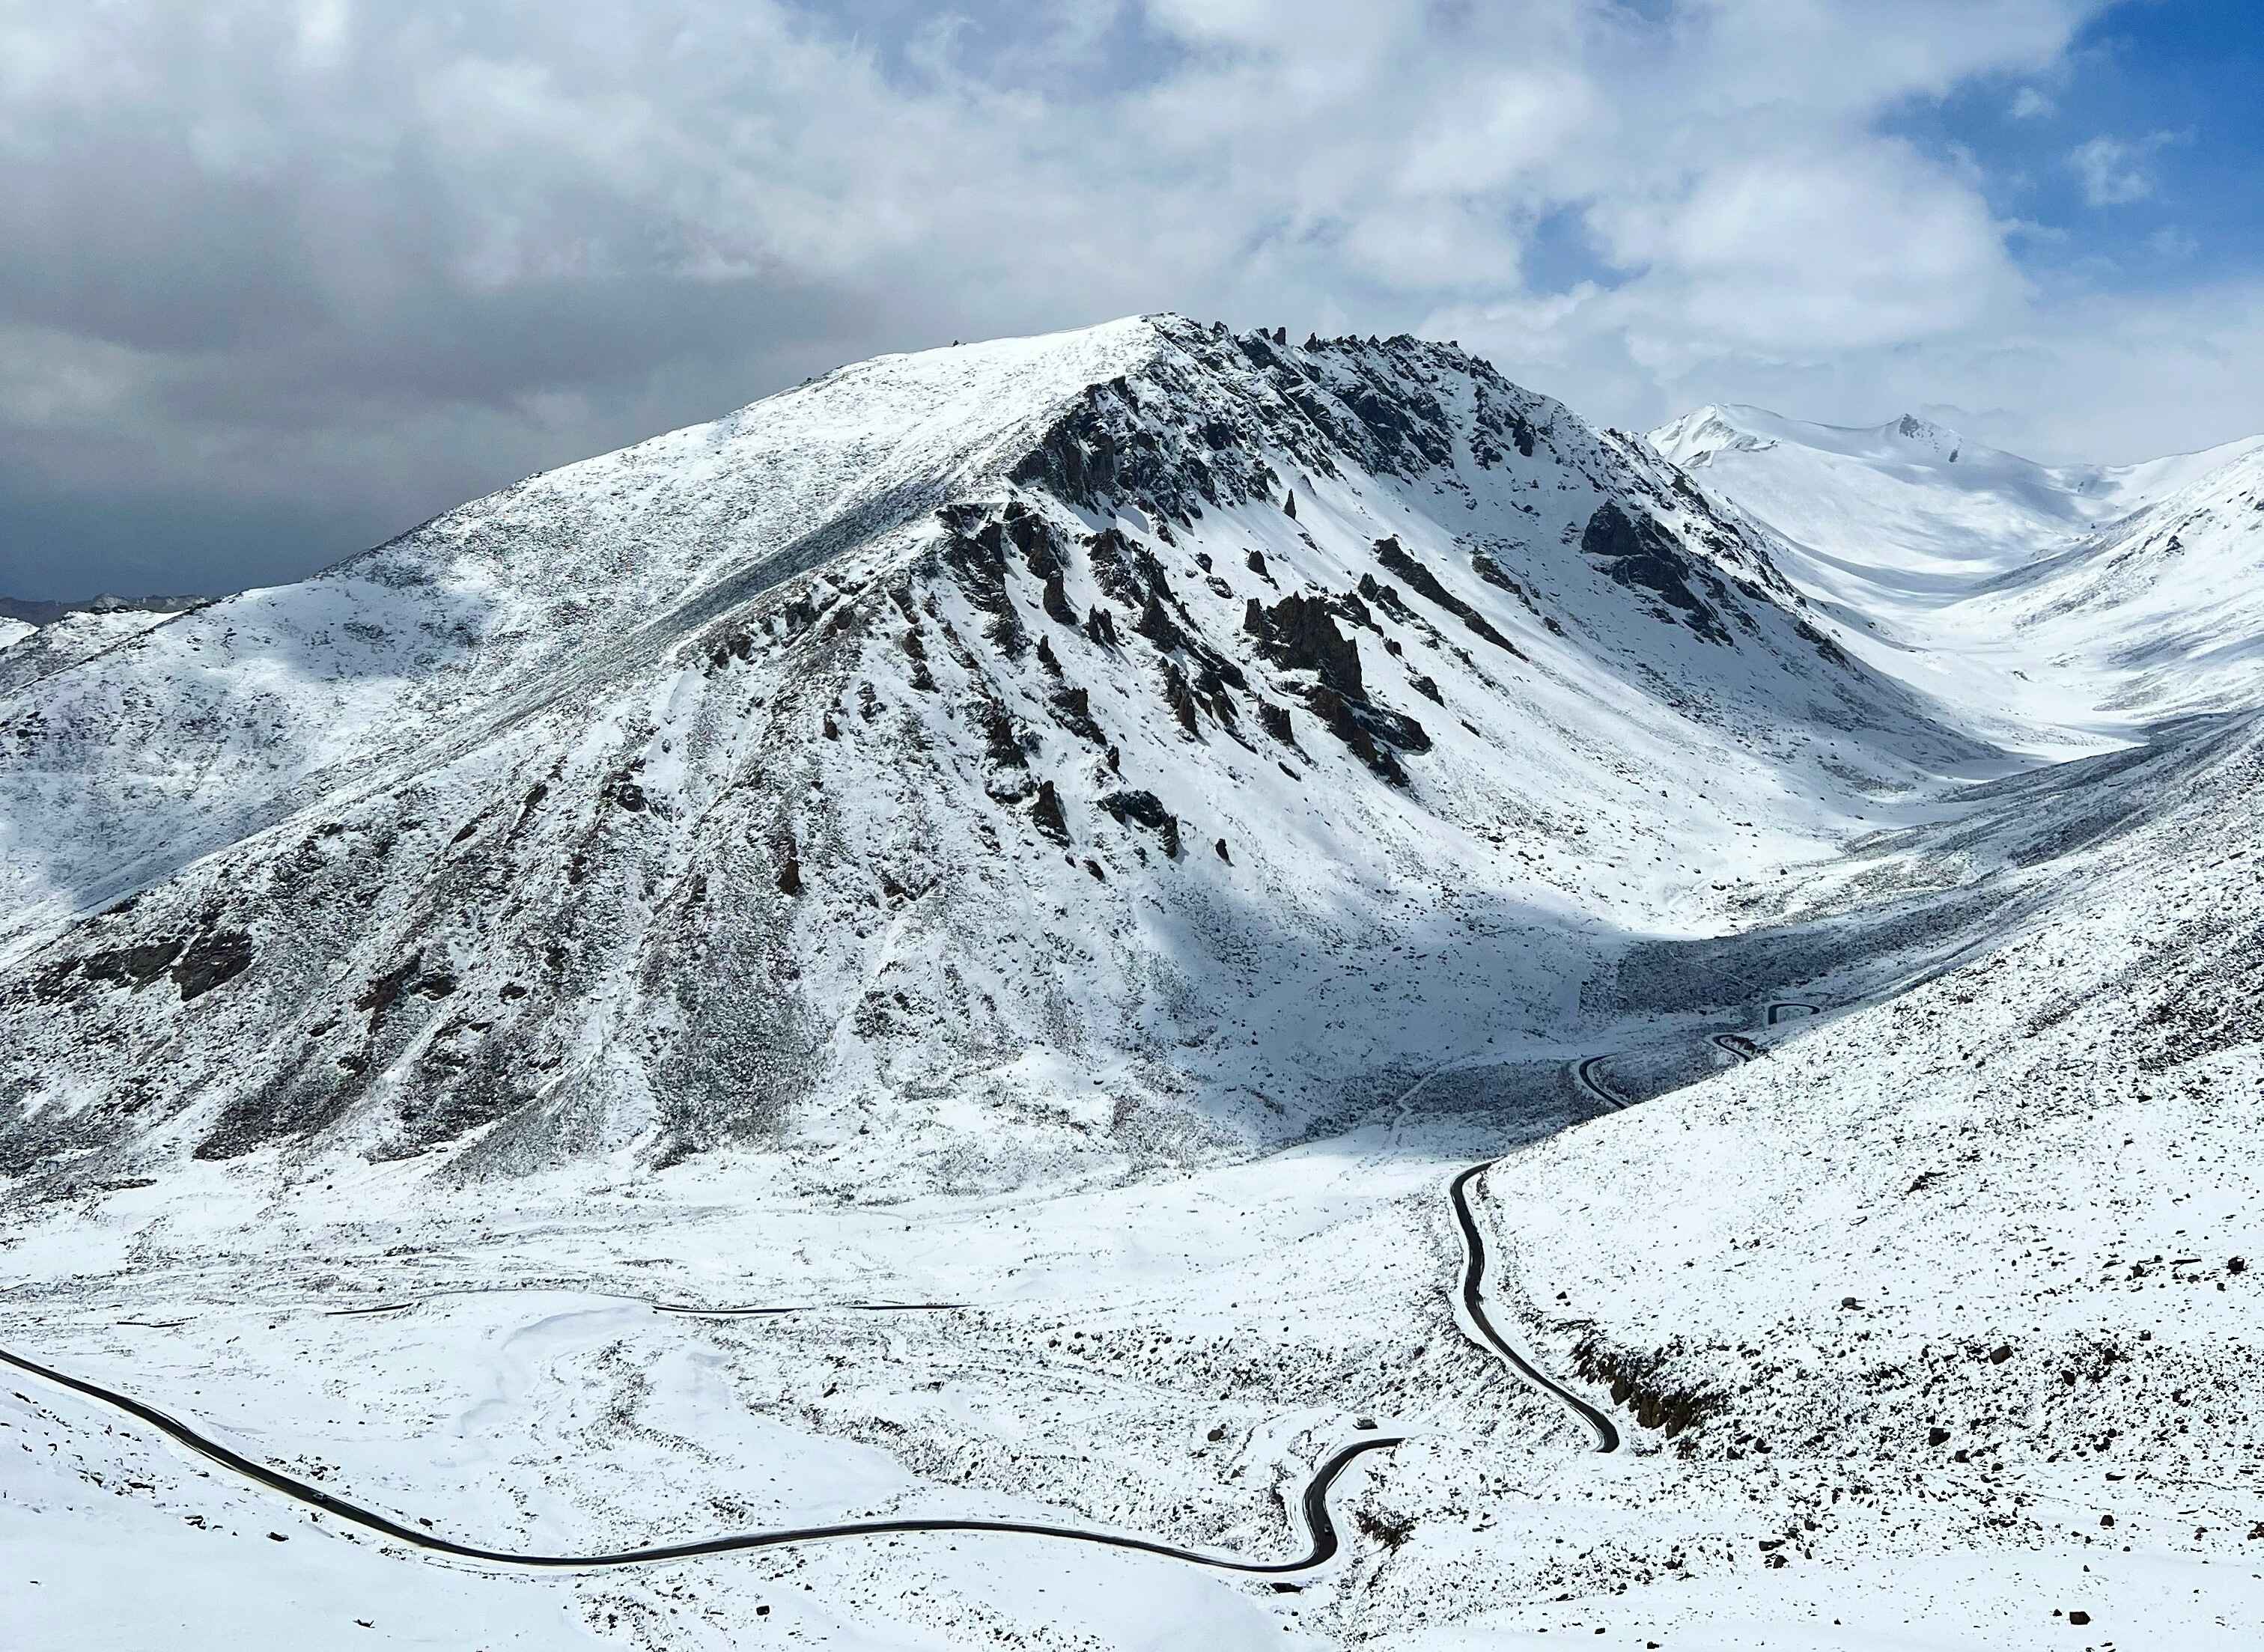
1640,554
578,823
1299,633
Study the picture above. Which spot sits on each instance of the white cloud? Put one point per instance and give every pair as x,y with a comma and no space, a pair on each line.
2114,170
406,250
2028,104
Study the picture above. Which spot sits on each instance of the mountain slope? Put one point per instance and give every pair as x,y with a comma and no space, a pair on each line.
2053,609
978,723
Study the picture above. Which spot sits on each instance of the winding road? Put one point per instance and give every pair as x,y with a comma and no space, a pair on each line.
1585,1072
1325,1540
1481,1328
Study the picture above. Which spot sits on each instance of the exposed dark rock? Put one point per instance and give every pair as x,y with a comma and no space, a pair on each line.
1298,633
1046,658
1486,568
1100,625
1386,597
1274,720
1122,569
1429,688
1179,697
133,966
1055,601
1639,1382
212,961
1290,504
384,992
974,550
1145,809
1340,716
1212,679
1424,584
1255,561
1219,848
1826,649
1158,626
1001,742
1033,538
1354,608
1638,551
1045,814
1073,705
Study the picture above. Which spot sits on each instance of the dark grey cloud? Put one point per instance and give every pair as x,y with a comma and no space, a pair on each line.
284,276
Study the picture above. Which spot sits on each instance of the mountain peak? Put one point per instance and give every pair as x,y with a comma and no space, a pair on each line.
953,711
1927,434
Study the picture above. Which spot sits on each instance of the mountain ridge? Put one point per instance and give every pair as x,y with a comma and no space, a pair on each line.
596,751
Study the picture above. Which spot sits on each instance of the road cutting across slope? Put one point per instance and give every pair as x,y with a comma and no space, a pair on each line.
1479,1326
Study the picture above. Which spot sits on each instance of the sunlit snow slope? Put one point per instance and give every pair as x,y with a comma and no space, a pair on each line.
2057,609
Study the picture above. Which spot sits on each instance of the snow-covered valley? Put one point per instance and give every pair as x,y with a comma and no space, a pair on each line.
1037,864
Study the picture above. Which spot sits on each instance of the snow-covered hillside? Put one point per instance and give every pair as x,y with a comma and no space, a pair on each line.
2055,609
942,949
968,768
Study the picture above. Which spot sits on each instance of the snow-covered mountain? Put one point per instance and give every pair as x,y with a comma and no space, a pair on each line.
2055,608
946,946
1057,717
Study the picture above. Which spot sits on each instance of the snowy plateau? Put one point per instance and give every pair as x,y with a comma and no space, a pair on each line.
872,1024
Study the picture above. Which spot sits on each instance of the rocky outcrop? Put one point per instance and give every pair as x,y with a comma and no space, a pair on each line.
1638,552
1144,808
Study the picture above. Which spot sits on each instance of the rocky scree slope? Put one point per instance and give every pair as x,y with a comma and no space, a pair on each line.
970,767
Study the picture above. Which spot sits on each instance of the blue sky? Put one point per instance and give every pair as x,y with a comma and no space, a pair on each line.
2138,153
285,276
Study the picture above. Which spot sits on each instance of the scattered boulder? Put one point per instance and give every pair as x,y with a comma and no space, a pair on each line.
1145,809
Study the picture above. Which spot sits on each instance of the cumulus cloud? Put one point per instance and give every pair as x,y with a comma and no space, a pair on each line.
2028,104
321,263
